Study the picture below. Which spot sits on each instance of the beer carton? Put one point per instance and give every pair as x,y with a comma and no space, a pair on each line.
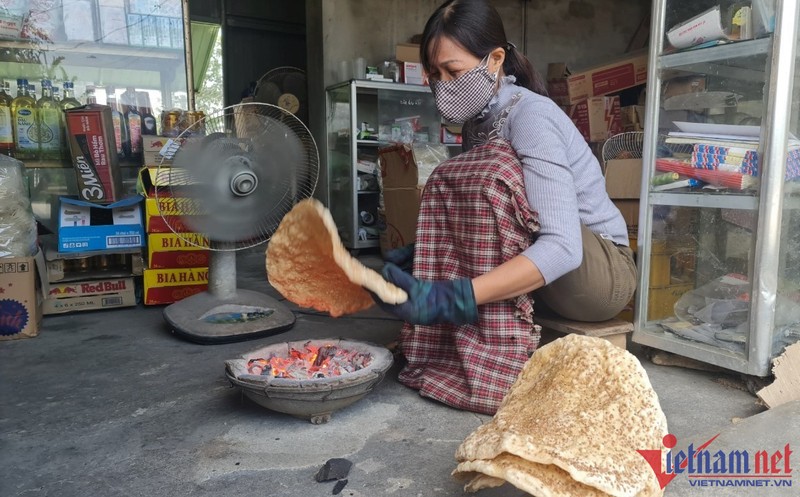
170,250
165,286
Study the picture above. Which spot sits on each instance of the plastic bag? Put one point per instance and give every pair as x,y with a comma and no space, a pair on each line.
17,224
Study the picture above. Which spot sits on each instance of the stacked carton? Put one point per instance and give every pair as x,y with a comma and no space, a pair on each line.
92,260
588,96
407,56
177,259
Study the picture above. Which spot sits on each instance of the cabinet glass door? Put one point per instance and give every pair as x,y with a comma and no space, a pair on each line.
710,152
340,163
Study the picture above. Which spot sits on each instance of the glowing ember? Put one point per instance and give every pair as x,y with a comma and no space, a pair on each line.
312,362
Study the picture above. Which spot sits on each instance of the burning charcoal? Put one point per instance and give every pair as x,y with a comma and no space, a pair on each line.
337,489
324,353
334,469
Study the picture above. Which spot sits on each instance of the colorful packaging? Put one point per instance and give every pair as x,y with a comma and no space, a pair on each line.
166,286
170,250
90,133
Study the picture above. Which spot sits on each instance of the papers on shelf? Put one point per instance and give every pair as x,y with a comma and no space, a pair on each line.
710,26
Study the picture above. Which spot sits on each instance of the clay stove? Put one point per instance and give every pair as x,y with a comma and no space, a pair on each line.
310,379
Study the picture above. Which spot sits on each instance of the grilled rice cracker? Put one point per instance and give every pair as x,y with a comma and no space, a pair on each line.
582,405
307,264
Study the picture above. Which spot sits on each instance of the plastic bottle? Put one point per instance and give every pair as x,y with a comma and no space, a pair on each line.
120,130
90,96
48,114
23,115
148,119
134,122
6,129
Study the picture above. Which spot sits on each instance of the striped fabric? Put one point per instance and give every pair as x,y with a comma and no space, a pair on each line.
474,216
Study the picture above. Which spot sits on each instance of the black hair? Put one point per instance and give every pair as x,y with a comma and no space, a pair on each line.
477,26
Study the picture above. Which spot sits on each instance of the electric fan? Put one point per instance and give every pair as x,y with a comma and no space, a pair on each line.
233,177
285,87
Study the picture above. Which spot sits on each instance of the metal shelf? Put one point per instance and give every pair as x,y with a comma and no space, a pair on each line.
735,50
381,85
706,200
93,49
654,336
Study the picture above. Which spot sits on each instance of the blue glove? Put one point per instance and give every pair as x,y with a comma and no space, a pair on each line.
431,302
403,257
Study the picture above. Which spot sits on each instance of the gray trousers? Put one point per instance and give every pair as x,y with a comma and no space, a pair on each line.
599,288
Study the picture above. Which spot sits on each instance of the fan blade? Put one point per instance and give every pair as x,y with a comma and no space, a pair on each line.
268,92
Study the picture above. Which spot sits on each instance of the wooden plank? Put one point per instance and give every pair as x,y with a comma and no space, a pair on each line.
601,329
786,386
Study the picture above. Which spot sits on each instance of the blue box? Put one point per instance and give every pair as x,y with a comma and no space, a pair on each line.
84,226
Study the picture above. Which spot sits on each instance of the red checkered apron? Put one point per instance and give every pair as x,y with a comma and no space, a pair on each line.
474,216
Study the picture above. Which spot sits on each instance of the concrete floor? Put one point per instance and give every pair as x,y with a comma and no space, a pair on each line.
110,403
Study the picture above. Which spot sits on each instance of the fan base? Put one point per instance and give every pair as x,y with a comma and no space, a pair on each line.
207,319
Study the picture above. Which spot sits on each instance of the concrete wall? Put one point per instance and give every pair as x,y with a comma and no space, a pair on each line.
580,32
577,31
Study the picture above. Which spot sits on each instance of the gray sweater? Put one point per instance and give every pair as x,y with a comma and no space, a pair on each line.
563,180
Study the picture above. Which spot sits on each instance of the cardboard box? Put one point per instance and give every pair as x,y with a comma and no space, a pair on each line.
630,213
632,117
90,295
398,167
151,150
683,85
97,264
166,286
407,52
400,217
661,301
413,73
406,166
597,118
624,178
567,87
83,226
451,134
90,134
20,297
164,214
170,250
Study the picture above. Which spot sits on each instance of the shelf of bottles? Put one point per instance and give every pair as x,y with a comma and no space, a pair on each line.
32,127
56,55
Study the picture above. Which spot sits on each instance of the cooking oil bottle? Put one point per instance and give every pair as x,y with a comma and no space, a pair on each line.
23,115
69,101
49,120
6,129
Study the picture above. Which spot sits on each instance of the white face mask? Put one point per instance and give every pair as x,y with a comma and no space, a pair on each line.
463,98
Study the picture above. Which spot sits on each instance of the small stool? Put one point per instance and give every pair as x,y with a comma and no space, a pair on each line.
613,330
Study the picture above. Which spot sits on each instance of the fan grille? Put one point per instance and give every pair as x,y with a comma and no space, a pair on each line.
236,174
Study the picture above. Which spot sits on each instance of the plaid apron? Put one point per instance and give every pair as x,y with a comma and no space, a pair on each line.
474,216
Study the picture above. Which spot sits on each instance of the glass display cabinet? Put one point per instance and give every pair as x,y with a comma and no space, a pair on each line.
363,116
719,226
99,45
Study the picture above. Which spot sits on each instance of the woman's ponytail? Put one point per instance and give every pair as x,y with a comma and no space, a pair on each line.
518,65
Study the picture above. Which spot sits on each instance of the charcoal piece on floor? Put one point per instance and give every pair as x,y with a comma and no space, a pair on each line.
334,469
337,489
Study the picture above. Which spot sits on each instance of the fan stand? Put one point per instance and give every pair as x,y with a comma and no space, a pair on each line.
225,313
